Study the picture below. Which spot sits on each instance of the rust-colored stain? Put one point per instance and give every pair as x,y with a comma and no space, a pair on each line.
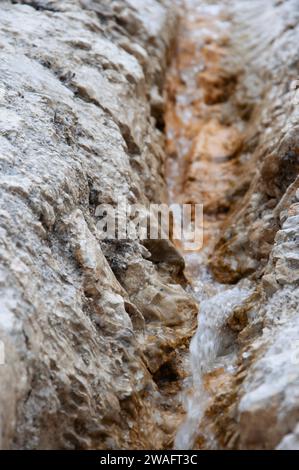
204,139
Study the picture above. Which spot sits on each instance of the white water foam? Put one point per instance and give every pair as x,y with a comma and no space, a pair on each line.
204,349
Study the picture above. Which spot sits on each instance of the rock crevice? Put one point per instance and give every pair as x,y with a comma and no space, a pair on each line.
84,323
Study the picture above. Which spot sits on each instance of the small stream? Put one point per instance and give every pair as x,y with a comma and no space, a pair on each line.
203,139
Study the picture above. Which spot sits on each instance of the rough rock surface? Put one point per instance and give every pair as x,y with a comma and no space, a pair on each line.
232,122
254,395
262,235
95,333
87,325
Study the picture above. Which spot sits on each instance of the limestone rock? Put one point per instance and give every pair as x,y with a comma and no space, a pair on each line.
233,133
78,128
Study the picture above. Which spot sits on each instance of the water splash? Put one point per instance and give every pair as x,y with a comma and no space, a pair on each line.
204,136
204,352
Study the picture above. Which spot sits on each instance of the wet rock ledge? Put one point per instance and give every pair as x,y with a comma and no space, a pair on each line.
93,332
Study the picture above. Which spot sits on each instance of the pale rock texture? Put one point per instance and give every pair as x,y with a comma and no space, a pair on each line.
95,332
258,408
85,323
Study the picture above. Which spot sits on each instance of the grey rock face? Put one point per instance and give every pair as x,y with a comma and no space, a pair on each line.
83,323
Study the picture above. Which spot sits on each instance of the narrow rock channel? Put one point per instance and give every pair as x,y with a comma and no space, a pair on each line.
215,118
124,342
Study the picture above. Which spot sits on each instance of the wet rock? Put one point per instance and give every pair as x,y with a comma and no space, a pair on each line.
163,251
84,324
290,441
250,231
261,236
232,128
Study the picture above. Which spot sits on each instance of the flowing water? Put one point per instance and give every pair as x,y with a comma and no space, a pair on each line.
204,137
